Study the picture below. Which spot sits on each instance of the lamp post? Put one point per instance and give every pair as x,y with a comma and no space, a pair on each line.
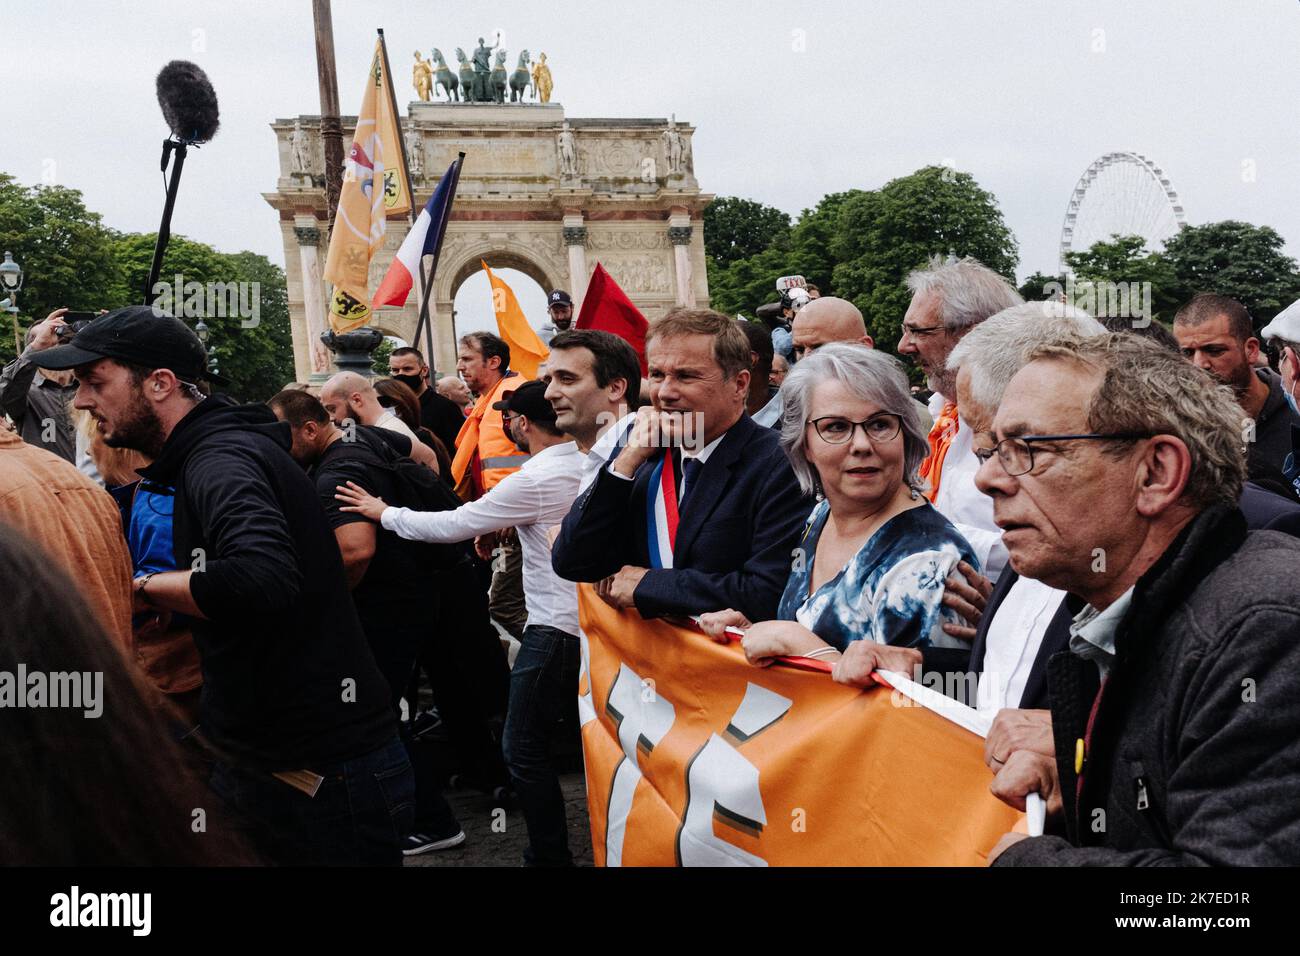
202,331
11,280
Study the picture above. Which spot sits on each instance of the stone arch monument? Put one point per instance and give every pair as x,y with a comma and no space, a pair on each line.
545,194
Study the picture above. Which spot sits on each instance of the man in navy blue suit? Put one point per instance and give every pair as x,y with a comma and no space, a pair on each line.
699,510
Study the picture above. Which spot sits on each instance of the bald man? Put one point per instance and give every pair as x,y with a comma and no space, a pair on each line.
349,395
450,386
828,319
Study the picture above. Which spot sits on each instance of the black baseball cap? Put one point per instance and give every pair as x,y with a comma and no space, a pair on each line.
558,297
528,399
139,334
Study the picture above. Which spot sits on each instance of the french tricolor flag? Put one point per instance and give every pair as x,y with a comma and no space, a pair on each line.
423,240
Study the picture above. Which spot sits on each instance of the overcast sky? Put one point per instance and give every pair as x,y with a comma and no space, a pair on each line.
791,101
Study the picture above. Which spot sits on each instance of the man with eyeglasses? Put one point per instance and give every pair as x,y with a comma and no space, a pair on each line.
948,300
1115,470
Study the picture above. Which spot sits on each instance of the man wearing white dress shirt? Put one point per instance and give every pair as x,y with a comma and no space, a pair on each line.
544,680
595,384
949,299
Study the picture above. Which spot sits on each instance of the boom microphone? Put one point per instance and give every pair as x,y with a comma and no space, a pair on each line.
189,104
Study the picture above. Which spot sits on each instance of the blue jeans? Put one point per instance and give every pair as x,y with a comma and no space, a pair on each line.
543,688
359,816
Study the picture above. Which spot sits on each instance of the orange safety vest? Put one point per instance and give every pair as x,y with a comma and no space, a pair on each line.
485,454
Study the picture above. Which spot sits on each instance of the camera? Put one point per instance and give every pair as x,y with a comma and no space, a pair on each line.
74,322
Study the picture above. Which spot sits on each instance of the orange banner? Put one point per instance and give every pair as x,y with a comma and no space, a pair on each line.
696,758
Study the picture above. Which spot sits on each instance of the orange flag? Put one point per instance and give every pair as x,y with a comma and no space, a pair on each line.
526,349
696,758
374,187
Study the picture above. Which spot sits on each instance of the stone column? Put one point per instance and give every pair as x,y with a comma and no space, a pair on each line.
575,239
313,301
679,235
444,335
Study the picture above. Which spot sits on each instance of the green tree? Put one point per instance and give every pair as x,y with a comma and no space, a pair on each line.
745,284
1235,259
255,353
64,249
1123,262
1035,287
884,234
737,228
380,356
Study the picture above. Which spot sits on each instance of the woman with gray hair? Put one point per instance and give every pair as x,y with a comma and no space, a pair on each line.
868,577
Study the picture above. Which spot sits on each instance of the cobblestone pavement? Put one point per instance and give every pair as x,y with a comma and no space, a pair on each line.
485,843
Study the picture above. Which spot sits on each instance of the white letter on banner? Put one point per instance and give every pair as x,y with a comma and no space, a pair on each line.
586,709
722,785
641,725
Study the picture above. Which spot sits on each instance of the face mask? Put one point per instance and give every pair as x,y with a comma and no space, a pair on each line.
413,382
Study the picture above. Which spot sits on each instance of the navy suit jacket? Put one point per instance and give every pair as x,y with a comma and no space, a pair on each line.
739,527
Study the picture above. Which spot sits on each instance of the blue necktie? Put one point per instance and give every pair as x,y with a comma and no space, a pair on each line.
690,474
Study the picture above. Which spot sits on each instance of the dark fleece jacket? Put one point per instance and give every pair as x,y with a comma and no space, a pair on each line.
289,682
1194,757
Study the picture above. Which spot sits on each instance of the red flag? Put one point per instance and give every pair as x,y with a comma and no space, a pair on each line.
607,307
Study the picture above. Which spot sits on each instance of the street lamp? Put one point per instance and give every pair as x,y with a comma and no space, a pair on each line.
11,280
202,331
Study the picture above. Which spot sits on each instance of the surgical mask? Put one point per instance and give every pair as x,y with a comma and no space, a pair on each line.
413,382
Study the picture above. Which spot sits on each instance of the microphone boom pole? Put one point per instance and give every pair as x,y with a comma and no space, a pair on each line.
165,227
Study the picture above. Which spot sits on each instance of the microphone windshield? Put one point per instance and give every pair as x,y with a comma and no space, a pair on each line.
189,104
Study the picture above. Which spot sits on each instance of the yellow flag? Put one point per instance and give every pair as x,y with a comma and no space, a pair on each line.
526,349
374,186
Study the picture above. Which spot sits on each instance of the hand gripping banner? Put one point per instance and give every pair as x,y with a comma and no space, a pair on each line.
696,758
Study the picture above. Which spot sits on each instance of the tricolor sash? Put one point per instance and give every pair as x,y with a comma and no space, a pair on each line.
661,512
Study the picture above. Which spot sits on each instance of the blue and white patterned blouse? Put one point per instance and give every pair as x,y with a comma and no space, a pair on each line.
890,592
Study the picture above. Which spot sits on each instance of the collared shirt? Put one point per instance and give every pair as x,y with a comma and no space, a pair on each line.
600,452
1014,637
532,500
965,505
1092,632
702,456
33,401
769,416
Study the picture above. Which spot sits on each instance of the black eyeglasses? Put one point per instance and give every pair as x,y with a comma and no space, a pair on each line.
921,331
1016,455
877,428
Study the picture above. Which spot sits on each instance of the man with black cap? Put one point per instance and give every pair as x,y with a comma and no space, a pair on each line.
560,308
293,704
544,680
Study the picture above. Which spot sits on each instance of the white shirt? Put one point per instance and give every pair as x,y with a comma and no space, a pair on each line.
600,452
769,416
703,456
1015,634
962,503
1092,632
532,500
390,421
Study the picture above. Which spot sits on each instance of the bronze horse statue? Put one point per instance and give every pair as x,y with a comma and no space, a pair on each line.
466,75
498,78
444,77
520,79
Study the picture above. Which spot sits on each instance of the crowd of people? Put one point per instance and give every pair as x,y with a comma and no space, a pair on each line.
1087,526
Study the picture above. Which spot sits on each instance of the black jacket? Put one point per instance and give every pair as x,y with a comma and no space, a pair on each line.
288,680
739,527
1194,755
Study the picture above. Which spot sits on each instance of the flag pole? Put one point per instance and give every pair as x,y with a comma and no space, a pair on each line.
423,323
412,214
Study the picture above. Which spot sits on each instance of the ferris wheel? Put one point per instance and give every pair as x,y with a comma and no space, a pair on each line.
1121,194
